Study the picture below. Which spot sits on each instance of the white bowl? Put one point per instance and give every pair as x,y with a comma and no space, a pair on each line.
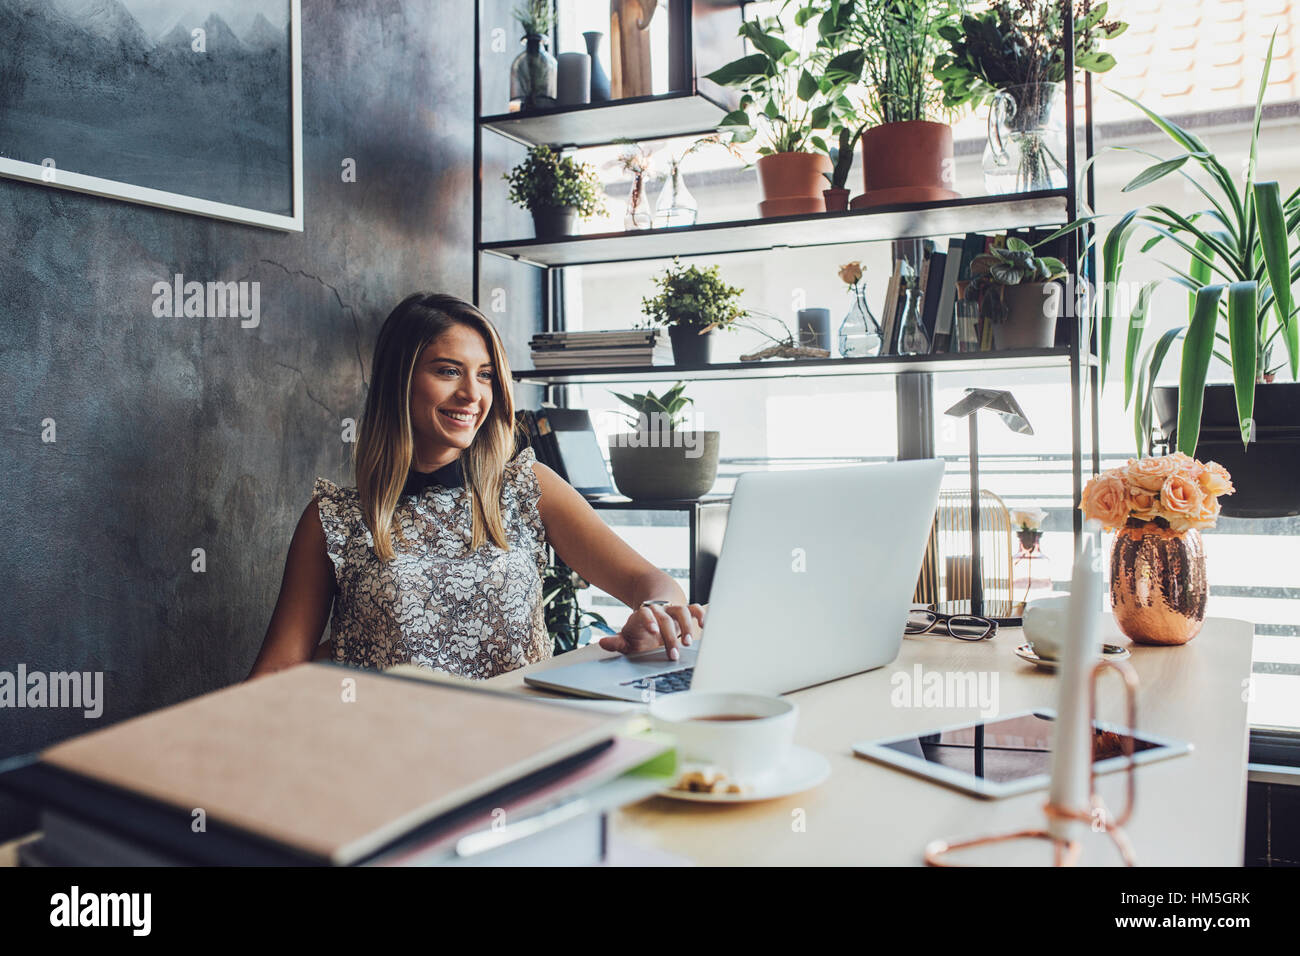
745,750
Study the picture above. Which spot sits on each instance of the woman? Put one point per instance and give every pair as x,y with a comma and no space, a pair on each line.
435,557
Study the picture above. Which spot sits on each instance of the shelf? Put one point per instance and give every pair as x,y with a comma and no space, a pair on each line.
620,503
948,218
803,368
598,124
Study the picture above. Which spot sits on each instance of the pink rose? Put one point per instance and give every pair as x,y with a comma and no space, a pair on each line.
1215,480
1181,501
1149,474
1105,498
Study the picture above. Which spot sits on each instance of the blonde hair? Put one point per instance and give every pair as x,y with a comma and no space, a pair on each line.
386,443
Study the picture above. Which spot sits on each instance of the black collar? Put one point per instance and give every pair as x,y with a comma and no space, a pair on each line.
448,476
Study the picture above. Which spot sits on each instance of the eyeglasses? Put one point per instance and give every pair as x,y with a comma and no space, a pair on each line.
966,627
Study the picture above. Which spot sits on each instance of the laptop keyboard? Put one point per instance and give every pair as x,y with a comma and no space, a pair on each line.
666,683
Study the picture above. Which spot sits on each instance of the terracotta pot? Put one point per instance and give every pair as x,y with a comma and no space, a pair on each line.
1157,583
1033,308
837,200
792,183
907,162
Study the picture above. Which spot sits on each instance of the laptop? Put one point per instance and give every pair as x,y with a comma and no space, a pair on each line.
814,582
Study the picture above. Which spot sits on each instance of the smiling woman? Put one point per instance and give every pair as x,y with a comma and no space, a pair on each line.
435,557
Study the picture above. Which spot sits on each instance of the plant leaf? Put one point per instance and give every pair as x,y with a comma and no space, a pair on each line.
1137,322
1273,240
1242,342
1198,345
1157,171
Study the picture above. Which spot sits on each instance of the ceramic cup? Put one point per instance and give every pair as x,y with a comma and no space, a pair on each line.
1045,623
745,750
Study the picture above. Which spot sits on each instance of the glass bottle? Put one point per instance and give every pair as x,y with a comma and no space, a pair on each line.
1031,571
534,76
676,205
860,335
638,206
912,340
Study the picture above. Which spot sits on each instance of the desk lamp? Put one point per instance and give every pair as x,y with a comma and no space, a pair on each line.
1009,410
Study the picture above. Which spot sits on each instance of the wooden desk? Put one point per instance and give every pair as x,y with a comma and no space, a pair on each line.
1190,810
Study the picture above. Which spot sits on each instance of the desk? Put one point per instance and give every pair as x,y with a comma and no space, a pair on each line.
1190,810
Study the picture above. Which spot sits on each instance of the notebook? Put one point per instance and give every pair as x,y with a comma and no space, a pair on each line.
319,762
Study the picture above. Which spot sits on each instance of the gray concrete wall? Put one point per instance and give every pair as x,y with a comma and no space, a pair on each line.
177,434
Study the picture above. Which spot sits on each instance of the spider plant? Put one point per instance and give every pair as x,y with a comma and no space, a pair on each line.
1242,259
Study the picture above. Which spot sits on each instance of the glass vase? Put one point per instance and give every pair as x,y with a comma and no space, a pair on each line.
1026,139
534,76
1031,572
912,339
676,205
638,207
859,332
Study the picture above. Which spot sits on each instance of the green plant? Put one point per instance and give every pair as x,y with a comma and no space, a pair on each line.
898,42
1019,43
650,408
565,618
788,91
546,179
535,17
693,296
1245,244
1008,264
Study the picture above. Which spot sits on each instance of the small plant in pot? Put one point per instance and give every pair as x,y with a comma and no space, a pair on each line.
906,153
557,190
788,95
566,619
658,459
1019,293
1237,261
692,303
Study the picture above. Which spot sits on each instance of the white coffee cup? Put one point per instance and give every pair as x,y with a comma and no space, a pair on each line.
745,750
1045,623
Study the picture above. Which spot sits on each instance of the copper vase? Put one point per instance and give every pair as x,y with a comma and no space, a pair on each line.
1157,583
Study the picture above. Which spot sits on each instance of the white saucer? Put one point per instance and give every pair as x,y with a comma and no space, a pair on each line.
803,770
1111,652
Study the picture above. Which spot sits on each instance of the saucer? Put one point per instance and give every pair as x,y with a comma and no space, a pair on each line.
803,770
1110,652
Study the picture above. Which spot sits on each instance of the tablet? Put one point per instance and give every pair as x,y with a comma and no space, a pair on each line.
1007,755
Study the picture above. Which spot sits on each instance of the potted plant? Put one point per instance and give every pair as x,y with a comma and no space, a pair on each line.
1240,254
533,74
906,154
1012,57
1157,566
556,189
658,459
566,619
1018,292
691,303
785,98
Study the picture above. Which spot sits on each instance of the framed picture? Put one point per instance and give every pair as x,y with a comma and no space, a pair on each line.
195,107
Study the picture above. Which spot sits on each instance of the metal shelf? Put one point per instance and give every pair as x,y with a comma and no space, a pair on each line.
916,221
805,368
683,113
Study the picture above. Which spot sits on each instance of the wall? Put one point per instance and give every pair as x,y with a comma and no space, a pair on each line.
177,434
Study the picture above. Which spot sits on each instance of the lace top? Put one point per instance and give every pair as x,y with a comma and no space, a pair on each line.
435,604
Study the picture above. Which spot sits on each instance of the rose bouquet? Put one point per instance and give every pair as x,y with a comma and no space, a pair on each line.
1174,489
1157,506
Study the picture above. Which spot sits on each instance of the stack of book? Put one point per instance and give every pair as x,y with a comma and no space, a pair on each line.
929,293
617,348
322,764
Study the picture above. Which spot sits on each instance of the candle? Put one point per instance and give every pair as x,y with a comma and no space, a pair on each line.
1072,747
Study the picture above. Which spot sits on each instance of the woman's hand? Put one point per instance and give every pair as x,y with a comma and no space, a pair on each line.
649,627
